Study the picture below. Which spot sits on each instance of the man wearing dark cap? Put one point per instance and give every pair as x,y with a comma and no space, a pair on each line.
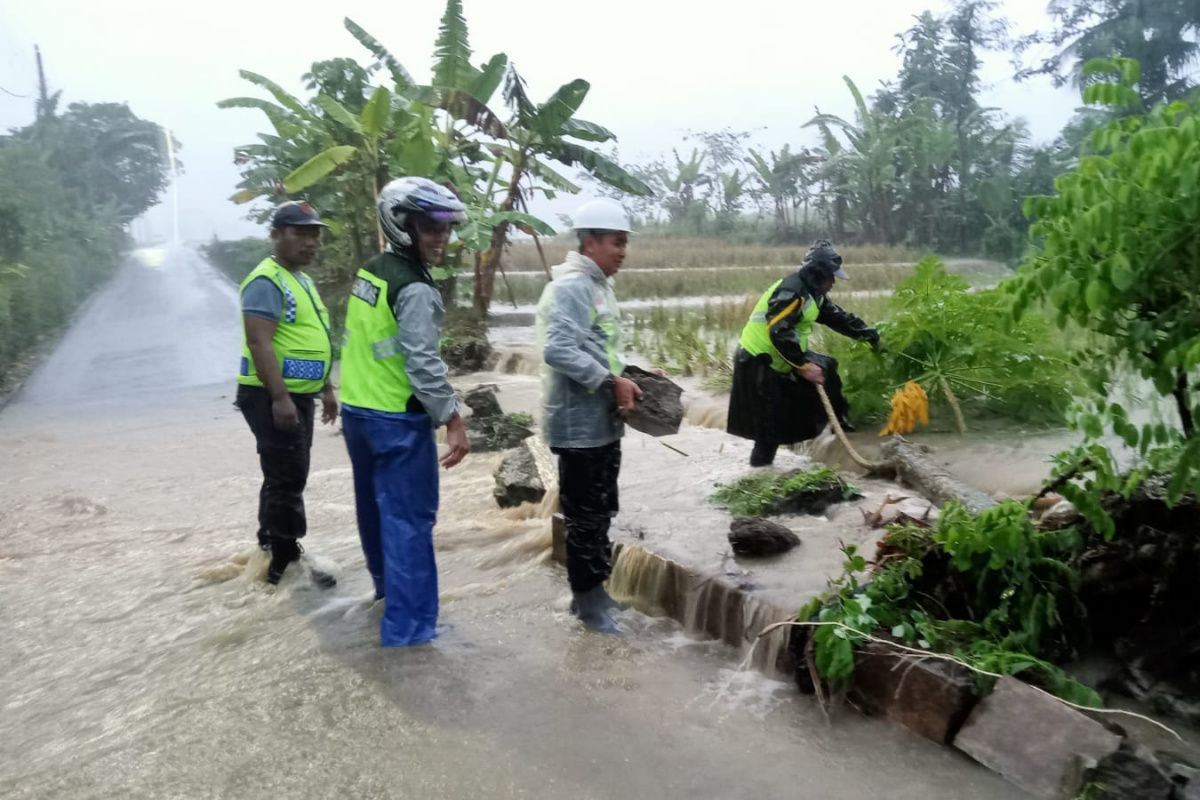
286,359
773,400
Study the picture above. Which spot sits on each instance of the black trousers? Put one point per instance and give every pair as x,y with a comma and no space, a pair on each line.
587,486
284,457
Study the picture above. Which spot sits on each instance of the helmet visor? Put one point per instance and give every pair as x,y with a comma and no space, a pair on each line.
447,217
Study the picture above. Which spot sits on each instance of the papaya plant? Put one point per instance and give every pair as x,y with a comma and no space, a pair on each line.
1118,256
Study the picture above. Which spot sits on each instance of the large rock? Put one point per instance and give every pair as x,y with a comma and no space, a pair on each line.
756,537
659,412
931,697
1033,740
524,475
464,346
497,433
483,402
488,428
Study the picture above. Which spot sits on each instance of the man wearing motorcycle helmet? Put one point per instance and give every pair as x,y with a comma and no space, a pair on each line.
395,393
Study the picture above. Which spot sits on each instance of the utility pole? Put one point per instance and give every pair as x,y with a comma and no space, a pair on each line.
43,103
174,172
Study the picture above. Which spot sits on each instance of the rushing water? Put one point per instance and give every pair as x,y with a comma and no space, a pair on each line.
144,657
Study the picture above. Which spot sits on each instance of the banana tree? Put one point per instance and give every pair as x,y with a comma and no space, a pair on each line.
537,135
456,127
784,179
681,184
315,140
866,170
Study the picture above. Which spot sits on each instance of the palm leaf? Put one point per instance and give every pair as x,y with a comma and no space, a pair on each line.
283,121
462,106
588,131
526,222
863,113
400,75
452,53
246,195
489,78
551,178
338,113
286,100
517,97
561,106
318,167
599,166
376,112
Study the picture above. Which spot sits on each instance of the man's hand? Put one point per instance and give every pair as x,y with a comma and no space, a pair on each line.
626,393
812,373
456,438
284,414
329,405
871,337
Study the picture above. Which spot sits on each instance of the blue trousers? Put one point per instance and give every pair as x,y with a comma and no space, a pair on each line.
394,458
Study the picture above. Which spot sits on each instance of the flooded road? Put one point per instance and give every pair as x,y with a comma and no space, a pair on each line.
143,656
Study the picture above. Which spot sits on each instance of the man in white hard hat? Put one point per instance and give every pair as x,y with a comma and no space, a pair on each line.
584,396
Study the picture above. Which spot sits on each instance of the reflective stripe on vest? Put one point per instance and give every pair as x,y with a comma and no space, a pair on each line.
373,373
603,316
756,335
607,323
301,342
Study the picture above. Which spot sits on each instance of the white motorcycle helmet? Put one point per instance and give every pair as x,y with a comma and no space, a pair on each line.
403,198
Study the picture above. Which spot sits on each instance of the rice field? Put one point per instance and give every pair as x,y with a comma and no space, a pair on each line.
684,301
657,252
700,341
524,287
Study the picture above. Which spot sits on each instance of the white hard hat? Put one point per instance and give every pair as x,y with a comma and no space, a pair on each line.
602,214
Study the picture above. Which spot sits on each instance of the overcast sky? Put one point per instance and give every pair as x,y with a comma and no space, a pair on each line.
657,69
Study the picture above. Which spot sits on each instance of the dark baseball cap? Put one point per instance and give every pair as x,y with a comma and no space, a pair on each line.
295,212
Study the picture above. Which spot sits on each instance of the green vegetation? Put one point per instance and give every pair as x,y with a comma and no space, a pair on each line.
964,349
990,590
1116,265
237,257
937,330
798,491
1119,259
339,146
72,181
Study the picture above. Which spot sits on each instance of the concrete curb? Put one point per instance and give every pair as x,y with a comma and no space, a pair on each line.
1046,748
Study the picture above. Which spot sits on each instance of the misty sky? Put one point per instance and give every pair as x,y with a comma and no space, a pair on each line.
657,69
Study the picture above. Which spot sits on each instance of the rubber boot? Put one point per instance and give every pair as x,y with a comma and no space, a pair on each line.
283,552
286,551
594,610
763,454
606,600
321,578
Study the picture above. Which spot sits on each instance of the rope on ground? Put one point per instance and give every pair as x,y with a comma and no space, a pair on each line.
870,466
959,661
